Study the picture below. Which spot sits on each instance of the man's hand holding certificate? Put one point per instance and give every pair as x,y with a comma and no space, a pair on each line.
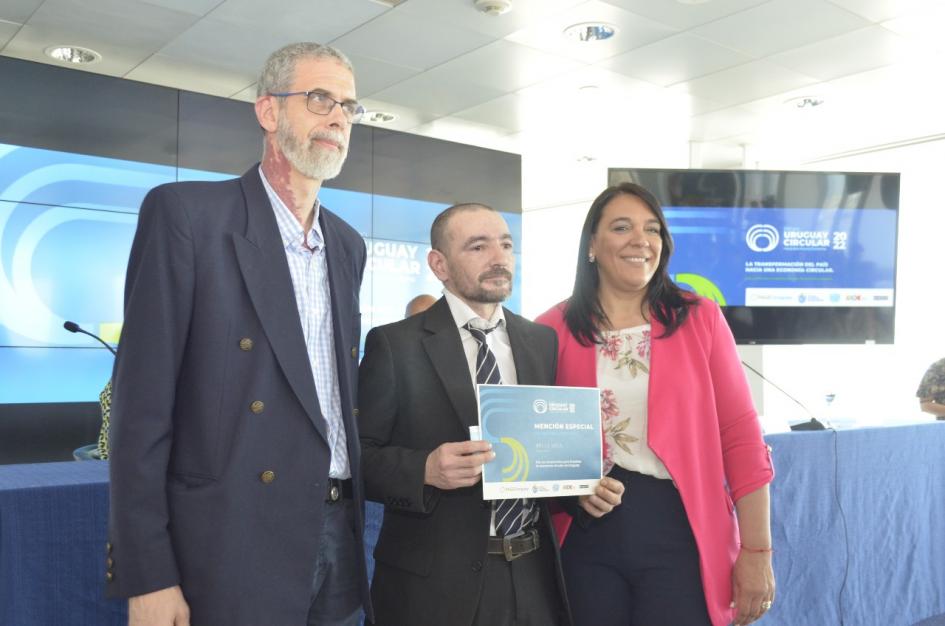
457,464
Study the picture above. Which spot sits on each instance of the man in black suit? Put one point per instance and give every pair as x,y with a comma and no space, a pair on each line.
235,485
445,556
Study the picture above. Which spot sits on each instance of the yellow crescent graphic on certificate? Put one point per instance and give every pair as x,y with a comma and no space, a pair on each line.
517,470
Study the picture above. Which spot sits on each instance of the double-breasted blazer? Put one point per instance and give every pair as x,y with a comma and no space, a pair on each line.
416,393
219,453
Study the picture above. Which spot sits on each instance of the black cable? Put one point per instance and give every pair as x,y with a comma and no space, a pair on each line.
843,521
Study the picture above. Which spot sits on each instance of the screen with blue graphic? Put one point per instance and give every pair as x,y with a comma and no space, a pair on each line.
785,256
793,257
66,226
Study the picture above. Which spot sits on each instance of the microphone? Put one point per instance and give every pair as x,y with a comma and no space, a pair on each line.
72,327
813,424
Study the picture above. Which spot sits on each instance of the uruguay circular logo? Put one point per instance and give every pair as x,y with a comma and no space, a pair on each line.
540,406
762,238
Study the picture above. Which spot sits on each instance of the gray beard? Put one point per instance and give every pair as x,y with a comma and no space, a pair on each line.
311,161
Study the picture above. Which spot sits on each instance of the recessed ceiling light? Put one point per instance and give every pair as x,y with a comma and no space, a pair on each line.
75,55
805,103
379,117
590,31
493,8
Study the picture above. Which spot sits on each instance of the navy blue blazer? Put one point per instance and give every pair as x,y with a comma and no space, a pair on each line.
219,456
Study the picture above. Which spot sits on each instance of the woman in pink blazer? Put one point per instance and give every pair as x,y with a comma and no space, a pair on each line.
691,543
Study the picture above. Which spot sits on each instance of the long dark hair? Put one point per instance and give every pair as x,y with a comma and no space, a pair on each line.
664,299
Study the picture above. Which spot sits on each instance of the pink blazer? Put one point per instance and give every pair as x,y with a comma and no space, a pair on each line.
701,424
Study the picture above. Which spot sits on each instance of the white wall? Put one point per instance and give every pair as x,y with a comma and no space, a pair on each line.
877,384
872,384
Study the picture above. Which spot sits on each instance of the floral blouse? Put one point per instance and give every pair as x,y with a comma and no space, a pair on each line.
623,374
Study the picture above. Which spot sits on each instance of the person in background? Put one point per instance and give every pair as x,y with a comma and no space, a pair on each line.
444,556
235,465
681,434
931,391
419,304
105,403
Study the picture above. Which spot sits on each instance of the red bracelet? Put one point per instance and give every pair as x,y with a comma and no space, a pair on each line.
755,550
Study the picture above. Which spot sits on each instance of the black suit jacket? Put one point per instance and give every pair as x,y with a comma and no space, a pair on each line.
415,393
213,390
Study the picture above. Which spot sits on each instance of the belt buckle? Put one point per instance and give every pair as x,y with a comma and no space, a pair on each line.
507,549
531,535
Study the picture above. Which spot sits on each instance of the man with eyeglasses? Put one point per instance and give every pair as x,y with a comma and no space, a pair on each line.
236,494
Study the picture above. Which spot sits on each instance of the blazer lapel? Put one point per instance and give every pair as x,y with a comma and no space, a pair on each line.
261,257
445,349
527,367
344,287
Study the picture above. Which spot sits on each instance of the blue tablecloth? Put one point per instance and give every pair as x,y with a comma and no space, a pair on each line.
53,520
858,524
858,519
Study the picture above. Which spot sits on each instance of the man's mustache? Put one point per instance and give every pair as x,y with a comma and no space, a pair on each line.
336,138
496,273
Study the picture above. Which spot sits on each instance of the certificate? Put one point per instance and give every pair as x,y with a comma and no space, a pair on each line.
547,440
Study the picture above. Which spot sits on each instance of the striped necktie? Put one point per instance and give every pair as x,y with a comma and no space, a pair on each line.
512,515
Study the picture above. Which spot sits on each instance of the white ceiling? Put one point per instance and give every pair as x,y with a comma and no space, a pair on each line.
716,72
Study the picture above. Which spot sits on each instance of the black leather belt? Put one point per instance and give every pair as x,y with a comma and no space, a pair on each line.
513,547
337,489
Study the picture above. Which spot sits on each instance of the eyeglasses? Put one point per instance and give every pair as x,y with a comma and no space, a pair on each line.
320,103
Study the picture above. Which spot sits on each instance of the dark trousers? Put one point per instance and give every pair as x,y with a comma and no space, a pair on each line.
336,595
523,592
638,565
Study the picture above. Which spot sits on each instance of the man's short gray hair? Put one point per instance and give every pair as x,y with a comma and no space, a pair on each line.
279,71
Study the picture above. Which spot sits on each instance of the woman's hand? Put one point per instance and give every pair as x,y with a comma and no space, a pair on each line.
752,586
607,495
752,576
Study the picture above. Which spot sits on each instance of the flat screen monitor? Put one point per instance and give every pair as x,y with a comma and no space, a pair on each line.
793,257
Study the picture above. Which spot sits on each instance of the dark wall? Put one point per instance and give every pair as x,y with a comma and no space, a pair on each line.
33,433
61,109
45,106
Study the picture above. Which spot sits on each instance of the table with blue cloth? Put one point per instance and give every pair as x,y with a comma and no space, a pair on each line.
858,523
53,525
858,526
